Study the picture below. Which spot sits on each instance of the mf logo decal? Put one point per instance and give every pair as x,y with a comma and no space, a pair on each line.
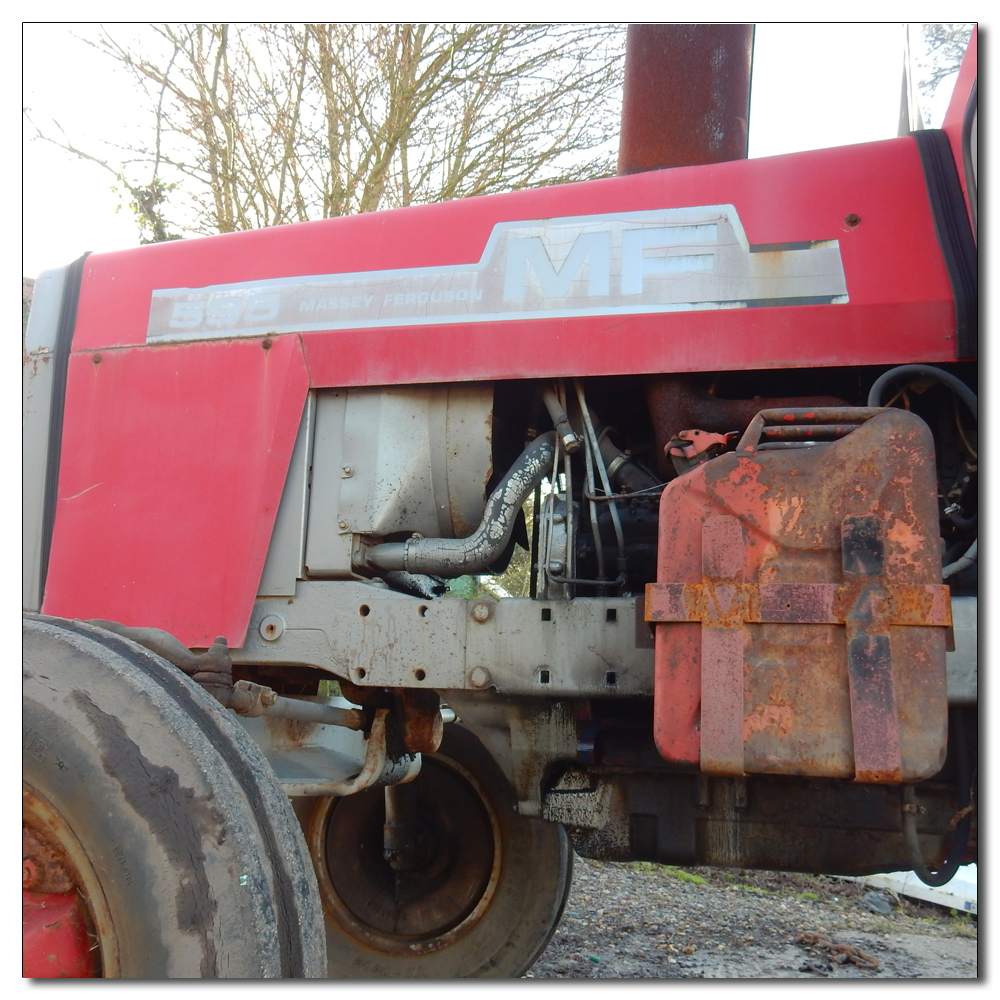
672,260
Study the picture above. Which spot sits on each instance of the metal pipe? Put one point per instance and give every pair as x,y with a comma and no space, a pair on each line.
311,711
686,98
452,557
557,411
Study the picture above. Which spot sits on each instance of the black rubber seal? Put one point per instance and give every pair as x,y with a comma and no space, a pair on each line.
290,943
60,361
971,107
951,223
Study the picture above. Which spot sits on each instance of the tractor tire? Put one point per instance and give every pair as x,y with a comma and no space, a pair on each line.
164,816
484,898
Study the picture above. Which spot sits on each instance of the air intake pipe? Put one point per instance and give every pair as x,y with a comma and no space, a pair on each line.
450,557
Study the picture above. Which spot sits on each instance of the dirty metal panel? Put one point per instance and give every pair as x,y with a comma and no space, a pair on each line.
584,647
826,652
414,459
308,757
963,660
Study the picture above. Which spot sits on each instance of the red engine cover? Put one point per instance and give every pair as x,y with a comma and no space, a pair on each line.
177,443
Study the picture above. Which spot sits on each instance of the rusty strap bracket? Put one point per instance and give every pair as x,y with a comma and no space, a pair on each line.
865,603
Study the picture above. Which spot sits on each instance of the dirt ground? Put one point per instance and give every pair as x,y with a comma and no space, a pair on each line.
649,921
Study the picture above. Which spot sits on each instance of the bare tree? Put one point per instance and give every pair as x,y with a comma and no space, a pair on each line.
944,44
260,124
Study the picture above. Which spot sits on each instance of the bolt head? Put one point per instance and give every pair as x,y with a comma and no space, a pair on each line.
481,611
479,677
271,627
30,875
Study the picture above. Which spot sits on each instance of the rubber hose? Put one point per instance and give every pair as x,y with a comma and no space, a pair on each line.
970,558
961,839
955,384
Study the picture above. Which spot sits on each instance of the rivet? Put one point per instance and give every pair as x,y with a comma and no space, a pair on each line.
267,343
97,359
482,611
852,219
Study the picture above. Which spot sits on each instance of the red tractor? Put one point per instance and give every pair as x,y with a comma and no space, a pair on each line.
727,405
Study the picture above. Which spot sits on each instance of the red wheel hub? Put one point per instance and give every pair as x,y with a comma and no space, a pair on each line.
57,943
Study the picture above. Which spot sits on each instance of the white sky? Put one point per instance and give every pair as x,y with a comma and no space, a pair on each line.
814,85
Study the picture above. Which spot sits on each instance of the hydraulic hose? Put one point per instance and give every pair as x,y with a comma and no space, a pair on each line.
450,557
970,558
956,385
961,839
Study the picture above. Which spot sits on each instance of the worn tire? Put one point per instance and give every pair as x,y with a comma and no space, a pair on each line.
193,863
498,927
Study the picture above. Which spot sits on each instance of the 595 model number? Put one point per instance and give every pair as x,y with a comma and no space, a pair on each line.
225,311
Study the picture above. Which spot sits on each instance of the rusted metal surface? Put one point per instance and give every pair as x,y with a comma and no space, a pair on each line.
64,918
691,444
791,423
677,404
687,95
450,876
869,656
722,647
423,725
840,612
805,603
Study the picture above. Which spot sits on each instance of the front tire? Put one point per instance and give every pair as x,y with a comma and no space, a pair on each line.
177,836
483,900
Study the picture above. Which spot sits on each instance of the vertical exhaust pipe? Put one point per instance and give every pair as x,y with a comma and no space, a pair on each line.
687,95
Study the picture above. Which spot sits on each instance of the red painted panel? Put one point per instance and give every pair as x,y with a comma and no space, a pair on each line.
173,462
54,939
900,299
787,337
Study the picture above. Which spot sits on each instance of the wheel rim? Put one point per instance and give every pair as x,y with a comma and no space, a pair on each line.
452,885
54,858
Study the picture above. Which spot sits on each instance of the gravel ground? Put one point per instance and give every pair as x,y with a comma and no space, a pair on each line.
648,921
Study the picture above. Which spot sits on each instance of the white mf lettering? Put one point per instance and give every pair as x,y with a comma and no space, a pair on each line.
592,249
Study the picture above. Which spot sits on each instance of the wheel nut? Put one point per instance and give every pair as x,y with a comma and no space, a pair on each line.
29,873
479,677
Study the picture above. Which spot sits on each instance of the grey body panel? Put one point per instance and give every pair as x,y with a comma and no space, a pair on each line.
963,662
37,379
286,553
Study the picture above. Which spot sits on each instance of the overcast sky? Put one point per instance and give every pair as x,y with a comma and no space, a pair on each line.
814,85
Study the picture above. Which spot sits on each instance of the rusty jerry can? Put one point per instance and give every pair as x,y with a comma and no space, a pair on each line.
800,617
